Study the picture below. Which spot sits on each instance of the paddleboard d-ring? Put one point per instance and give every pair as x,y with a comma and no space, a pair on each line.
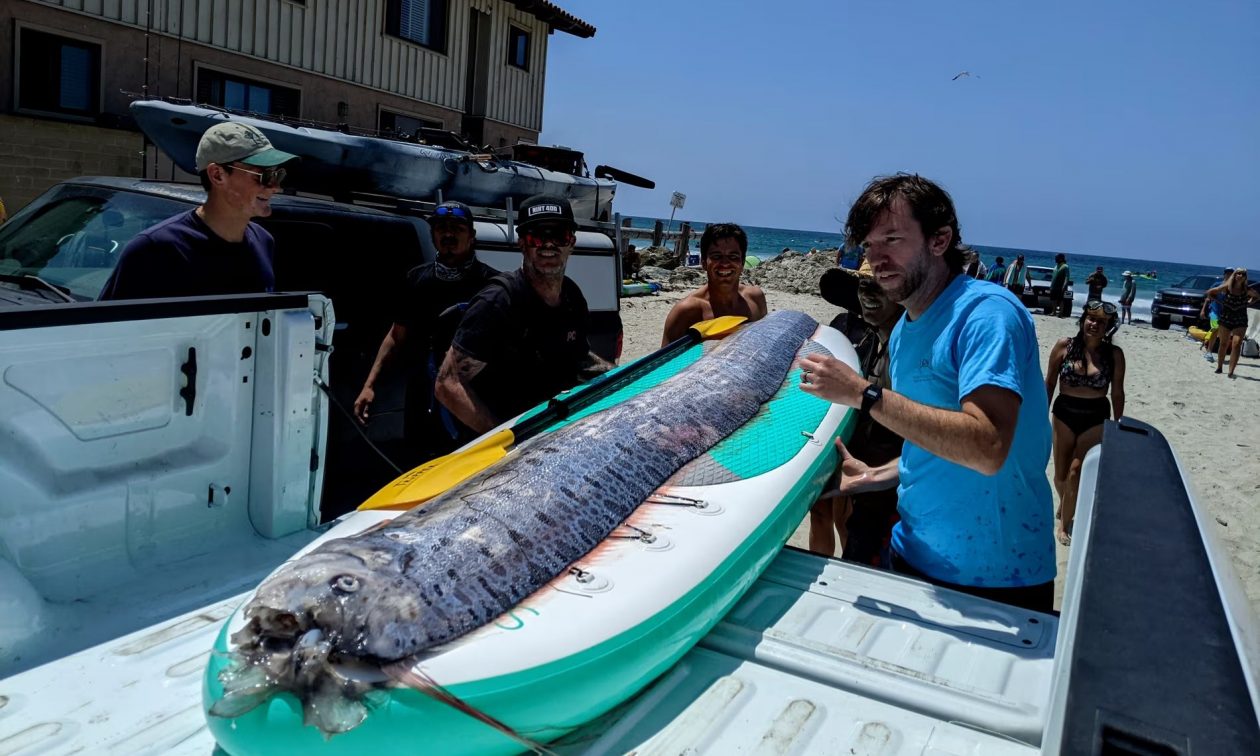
812,438
695,506
586,581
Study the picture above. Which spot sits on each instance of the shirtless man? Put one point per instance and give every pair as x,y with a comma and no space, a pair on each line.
723,247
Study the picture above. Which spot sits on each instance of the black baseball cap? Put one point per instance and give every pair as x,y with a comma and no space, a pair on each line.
452,209
542,207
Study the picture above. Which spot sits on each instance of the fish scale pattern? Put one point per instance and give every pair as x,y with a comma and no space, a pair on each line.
437,572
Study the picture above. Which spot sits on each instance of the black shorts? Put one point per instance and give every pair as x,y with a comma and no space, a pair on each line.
1079,414
1038,598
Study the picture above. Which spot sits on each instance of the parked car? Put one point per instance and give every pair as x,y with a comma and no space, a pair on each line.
1037,289
1183,302
62,247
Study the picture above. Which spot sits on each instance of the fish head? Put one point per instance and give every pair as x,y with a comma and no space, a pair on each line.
358,599
322,627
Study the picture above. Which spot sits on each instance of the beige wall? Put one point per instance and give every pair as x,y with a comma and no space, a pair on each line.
338,40
35,154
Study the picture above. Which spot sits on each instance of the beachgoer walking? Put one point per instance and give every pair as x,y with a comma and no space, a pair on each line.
1127,295
1235,296
968,399
433,298
1082,367
215,248
523,338
1096,281
1016,277
973,266
1058,287
863,521
723,247
1211,311
997,274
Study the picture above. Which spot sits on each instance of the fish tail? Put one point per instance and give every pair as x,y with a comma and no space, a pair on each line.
420,680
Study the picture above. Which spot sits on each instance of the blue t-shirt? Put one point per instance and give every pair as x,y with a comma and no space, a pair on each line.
957,525
184,257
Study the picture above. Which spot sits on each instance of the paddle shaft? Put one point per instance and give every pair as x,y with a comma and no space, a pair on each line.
562,407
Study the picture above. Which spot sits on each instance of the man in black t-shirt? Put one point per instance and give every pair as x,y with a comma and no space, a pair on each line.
524,337
431,306
215,248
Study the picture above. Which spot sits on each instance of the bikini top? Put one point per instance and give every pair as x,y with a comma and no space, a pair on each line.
1076,357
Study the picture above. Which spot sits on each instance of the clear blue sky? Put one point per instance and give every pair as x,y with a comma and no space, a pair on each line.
1121,129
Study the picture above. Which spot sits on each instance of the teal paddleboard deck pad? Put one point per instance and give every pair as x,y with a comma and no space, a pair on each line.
617,619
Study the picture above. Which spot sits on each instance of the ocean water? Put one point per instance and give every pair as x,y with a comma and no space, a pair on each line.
768,242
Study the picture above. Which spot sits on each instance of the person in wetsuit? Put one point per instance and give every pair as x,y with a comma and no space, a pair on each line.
1082,367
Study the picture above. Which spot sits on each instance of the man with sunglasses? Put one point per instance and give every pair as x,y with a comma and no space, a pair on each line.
723,248
214,248
523,338
434,296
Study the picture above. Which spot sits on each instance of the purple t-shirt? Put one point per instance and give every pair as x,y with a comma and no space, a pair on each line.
183,257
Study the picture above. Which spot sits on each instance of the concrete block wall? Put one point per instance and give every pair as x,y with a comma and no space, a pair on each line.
35,154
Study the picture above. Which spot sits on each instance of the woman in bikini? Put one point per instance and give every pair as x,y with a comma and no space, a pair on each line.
1233,321
1082,368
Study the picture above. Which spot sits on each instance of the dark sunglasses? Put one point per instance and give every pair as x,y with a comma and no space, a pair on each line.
445,211
536,237
267,177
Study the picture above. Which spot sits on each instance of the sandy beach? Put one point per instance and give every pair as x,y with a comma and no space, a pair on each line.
1209,420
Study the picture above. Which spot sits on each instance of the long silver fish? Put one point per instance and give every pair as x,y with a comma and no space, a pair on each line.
461,560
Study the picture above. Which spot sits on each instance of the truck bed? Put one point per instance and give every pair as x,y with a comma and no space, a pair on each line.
820,656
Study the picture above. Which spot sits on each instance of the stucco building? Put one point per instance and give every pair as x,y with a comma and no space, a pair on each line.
475,67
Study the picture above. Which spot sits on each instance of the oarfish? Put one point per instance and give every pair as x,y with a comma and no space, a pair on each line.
459,561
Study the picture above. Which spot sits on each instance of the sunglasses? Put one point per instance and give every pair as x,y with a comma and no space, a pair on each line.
537,237
267,177
446,211
1107,308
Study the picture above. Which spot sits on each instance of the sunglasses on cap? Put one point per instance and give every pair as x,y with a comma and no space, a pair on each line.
450,211
536,237
266,177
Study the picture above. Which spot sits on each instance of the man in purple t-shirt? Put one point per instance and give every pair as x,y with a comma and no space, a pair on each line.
215,248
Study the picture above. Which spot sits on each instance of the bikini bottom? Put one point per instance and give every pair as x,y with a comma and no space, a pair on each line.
1080,414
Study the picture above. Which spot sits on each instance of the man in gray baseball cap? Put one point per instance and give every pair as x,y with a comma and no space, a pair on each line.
215,248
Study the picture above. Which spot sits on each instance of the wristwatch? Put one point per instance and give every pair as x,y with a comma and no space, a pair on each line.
870,395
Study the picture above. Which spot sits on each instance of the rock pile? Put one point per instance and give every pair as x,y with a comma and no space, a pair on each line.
792,271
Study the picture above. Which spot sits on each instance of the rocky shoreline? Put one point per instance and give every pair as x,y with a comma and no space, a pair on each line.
789,271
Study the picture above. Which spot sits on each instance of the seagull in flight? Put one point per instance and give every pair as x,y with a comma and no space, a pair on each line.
964,75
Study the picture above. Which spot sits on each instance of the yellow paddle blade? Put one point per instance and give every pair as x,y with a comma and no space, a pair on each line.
709,329
439,475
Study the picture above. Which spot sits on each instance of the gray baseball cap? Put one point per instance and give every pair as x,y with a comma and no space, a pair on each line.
232,142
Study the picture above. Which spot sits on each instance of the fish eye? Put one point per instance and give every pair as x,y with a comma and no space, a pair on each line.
345,584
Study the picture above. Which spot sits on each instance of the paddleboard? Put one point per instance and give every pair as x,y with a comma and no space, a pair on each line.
620,616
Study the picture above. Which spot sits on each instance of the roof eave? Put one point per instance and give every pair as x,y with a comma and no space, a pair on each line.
557,17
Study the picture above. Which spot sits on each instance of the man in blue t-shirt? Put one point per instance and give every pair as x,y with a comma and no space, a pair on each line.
970,401
214,248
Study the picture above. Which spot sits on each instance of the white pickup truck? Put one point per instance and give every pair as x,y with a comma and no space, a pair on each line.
158,459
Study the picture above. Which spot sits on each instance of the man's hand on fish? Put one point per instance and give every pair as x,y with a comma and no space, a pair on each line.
829,378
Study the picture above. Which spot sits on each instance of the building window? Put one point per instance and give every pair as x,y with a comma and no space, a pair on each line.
58,75
419,21
238,93
397,124
518,48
